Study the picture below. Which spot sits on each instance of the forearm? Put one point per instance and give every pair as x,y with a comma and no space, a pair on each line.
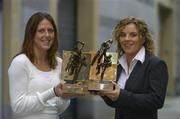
151,99
30,103
133,101
62,104
109,102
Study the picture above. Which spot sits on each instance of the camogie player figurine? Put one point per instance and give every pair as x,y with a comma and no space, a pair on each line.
75,70
103,68
84,72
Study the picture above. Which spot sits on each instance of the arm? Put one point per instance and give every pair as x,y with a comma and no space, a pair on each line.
153,99
22,102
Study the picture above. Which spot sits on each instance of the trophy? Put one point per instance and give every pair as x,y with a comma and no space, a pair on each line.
103,68
75,70
89,71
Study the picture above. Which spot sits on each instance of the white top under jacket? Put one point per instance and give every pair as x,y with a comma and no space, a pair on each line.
140,56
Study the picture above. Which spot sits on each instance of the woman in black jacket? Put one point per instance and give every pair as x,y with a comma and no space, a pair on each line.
142,78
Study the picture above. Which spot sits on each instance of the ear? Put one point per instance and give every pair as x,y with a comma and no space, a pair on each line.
143,41
142,38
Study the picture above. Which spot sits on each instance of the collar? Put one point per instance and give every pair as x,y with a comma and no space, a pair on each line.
140,56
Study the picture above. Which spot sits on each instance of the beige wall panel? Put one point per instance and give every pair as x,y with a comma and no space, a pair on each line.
11,39
167,44
88,23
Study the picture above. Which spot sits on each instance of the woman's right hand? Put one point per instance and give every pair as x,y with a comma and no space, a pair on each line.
112,94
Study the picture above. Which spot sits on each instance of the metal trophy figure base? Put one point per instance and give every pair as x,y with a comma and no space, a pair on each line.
75,88
100,86
84,88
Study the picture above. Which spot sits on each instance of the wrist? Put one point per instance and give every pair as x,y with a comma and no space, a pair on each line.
55,91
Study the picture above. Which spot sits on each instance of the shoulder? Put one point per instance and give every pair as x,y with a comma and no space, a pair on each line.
59,60
155,60
20,59
19,62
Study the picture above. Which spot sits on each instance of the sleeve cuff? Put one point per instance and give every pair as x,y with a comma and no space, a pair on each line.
44,96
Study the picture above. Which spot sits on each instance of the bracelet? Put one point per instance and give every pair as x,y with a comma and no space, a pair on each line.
55,92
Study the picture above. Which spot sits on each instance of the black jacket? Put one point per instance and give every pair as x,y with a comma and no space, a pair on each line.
144,92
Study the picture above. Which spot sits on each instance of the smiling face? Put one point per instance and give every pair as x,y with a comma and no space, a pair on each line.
130,40
44,36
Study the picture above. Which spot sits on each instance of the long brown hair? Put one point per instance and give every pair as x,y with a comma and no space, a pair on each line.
143,30
30,31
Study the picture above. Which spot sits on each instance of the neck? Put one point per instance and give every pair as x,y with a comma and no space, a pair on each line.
41,61
40,56
129,59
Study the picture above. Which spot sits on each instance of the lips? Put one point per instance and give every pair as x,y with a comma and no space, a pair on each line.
127,45
46,42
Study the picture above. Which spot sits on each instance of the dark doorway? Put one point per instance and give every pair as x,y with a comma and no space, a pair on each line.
67,38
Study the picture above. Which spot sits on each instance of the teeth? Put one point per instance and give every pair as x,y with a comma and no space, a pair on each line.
127,45
47,41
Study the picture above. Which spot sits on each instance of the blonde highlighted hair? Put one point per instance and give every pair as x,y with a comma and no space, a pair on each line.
143,32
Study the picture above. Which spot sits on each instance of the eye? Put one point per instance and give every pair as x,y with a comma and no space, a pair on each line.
133,34
50,30
41,30
122,34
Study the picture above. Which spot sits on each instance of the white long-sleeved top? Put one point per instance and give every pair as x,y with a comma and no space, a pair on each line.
31,90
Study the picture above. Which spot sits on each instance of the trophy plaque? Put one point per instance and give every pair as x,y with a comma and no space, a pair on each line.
75,70
89,71
103,68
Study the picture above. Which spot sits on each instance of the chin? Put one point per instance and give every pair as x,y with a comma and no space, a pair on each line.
128,51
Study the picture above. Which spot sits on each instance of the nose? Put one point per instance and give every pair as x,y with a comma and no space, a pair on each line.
127,37
47,33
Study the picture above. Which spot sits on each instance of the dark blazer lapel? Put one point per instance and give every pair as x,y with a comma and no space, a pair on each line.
137,71
134,74
119,69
